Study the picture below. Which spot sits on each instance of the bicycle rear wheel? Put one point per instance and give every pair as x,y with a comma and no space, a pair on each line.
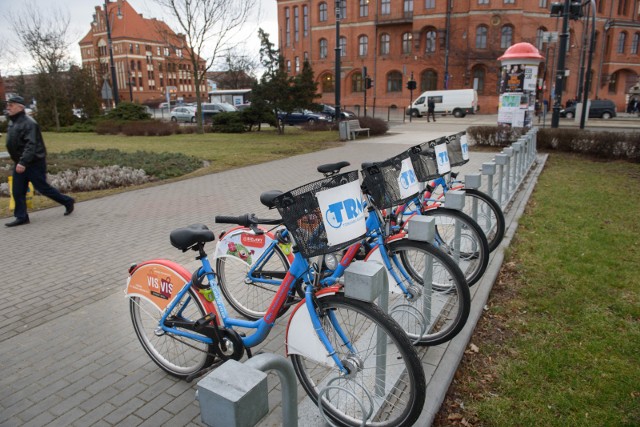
487,213
250,298
435,313
471,251
385,385
179,356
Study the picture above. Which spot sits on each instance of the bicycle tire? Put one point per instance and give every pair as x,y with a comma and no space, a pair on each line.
401,401
489,216
179,356
248,298
473,256
440,311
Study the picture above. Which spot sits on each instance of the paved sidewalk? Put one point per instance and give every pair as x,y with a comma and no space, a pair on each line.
68,352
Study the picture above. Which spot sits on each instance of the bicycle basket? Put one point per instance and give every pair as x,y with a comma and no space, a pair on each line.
391,182
454,148
424,162
304,218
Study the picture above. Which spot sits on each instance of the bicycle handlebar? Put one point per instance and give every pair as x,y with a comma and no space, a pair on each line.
246,220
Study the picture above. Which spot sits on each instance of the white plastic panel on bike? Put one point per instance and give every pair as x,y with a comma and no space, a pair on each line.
464,147
407,181
442,157
342,212
244,245
302,338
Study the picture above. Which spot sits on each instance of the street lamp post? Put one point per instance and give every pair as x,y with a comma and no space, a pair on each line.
338,53
560,72
114,88
587,84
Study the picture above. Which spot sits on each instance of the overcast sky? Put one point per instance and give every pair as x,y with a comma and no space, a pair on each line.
80,13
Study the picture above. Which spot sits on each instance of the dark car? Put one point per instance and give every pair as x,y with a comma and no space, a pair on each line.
211,109
299,117
600,109
331,112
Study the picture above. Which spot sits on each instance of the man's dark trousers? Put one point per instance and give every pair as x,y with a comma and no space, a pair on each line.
36,173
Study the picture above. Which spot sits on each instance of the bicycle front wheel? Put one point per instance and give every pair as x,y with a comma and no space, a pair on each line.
179,356
487,213
430,314
385,385
462,239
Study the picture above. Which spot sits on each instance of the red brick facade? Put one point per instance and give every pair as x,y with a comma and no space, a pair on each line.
397,38
149,57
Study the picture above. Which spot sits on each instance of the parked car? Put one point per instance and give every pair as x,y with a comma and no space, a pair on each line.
241,107
183,114
211,109
331,112
600,109
299,117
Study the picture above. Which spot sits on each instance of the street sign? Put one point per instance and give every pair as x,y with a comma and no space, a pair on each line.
106,90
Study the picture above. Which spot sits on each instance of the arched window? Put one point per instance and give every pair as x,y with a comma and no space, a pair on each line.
635,43
540,37
506,36
324,47
363,45
327,84
297,62
478,79
385,41
481,37
343,46
622,39
430,42
406,43
394,81
428,80
322,12
356,82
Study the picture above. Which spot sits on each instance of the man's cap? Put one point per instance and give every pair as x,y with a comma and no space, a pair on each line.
17,99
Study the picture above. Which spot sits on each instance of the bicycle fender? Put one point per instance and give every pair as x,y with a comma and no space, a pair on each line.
301,337
159,281
247,246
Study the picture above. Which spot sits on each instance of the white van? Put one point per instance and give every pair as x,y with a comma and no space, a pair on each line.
458,102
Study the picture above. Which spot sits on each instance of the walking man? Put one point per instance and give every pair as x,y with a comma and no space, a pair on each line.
431,109
26,148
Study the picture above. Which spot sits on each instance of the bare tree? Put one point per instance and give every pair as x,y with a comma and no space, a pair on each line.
209,27
43,34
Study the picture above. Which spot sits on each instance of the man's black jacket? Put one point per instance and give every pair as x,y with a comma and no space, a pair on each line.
24,140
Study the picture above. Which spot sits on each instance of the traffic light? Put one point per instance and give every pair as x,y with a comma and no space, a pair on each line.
368,82
575,10
411,84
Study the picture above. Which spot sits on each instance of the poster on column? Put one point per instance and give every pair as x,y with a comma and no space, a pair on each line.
530,78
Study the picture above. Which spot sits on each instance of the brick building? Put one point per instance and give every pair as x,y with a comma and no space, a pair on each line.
397,38
150,59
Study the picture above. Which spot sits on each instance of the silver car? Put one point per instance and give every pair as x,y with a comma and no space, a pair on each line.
183,114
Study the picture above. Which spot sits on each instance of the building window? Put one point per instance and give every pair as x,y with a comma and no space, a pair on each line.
138,49
539,38
343,46
297,62
385,7
613,83
483,1
394,81
296,25
509,1
363,45
481,37
322,12
408,6
385,41
622,7
305,21
323,48
305,55
364,7
406,43
356,83
327,84
133,65
158,50
635,43
288,66
430,45
343,9
429,80
506,36
543,3
287,26
622,39
430,4
478,79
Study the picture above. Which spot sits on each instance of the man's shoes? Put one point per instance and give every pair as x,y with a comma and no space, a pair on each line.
17,222
69,208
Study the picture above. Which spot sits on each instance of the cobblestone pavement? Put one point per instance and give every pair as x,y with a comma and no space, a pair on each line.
68,352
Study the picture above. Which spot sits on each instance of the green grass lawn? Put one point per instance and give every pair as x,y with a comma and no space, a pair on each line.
567,350
220,151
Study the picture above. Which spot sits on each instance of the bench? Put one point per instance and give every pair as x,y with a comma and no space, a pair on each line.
354,128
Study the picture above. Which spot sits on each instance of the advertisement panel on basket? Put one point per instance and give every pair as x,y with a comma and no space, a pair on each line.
464,147
407,181
342,212
442,157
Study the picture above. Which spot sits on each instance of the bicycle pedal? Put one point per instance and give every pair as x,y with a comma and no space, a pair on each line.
204,321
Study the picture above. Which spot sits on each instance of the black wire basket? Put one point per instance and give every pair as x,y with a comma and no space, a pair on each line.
302,216
382,180
423,158
455,150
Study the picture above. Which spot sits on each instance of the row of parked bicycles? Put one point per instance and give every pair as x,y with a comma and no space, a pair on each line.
356,361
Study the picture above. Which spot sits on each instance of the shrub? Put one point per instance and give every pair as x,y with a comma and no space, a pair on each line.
128,111
376,126
108,127
319,126
494,136
149,128
253,116
79,127
231,122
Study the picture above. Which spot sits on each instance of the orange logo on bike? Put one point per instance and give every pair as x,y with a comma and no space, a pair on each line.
252,240
160,287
